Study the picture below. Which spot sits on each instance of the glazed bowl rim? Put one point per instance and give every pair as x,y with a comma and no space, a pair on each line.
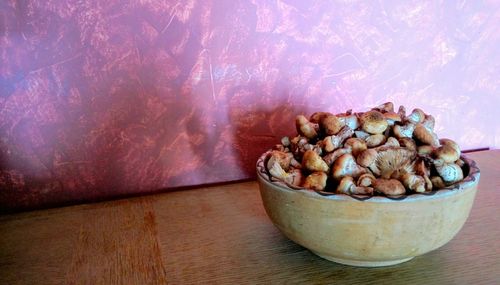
465,185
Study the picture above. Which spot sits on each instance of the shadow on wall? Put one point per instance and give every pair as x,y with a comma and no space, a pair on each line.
227,140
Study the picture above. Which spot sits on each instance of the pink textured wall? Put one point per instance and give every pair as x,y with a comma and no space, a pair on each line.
106,98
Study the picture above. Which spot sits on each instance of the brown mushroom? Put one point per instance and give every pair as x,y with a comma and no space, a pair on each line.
367,157
389,187
385,107
331,143
413,182
332,156
408,143
429,122
345,165
437,182
375,140
317,116
403,131
313,162
391,142
452,144
305,128
361,134
393,159
316,181
425,135
293,177
402,112
330,125
285,141
366,180
347,186
392,118
425,150
446,153
416,116
422,169
428,183
450,172
297,145
350,120
283,158
356,145
373,122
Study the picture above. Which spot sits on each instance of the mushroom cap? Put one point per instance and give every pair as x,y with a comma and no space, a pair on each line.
280,157
285,141
330,124
345,165
362,190
330,143
373,122
403,131
345,185
367,157
361,134
350,120
413,182
416,116
408,143
366,180
356,145
429,122
446,153
394,159
391,141
385,107
375,140
451,143
316,181
402,112
317,116
425,135
332,156
392,117
389,187
305,128
450,172
313,162
425,150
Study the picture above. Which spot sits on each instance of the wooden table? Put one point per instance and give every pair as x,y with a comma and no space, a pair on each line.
222,235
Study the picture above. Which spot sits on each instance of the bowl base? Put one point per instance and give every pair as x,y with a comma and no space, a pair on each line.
363,263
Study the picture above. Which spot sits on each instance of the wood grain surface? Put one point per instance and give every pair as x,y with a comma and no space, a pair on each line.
221,235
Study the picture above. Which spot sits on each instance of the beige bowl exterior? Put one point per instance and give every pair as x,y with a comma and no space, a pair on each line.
378,231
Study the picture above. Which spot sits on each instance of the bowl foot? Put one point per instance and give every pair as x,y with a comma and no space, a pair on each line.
363,263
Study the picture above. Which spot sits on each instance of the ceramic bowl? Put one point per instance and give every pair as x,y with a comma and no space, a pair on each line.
368,230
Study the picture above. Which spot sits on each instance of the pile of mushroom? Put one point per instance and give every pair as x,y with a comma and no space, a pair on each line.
375,152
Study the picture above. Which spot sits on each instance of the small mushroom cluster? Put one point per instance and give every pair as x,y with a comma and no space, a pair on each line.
375,152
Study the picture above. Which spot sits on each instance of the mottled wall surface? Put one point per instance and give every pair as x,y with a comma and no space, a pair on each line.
105,98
